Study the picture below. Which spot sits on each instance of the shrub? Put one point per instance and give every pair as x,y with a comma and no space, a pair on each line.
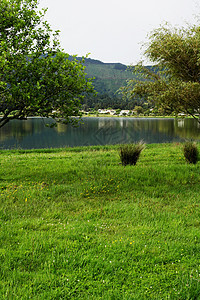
129,153
190,152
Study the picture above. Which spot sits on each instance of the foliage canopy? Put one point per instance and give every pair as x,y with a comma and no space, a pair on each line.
173,83
37,77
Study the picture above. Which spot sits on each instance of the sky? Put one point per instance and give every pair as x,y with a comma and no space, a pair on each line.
114,30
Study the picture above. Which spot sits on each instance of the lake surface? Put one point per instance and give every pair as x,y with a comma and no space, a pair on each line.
34,134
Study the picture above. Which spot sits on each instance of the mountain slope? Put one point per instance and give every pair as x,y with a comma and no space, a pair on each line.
108,77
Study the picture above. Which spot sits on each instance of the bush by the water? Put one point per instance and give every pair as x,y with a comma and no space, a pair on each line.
190,152
130,153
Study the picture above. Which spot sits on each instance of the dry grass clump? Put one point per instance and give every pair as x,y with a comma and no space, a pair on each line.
190,152
130,153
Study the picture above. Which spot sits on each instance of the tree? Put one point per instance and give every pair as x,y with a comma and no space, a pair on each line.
36,76
138,109
173,82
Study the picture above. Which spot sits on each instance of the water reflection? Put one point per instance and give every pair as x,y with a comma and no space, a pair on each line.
34,133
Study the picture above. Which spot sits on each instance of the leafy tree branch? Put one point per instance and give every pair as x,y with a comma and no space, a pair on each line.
173,83
36,76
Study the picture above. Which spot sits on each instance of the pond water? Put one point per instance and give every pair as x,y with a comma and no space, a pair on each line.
34,134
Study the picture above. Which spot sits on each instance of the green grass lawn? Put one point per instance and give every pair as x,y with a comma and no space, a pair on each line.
76,224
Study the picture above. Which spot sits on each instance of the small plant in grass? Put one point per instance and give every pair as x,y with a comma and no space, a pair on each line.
130,153
190,152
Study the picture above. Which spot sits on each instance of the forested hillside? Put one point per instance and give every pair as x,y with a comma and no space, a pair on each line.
108,78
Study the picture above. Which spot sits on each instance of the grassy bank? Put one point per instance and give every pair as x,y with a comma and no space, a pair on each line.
76,224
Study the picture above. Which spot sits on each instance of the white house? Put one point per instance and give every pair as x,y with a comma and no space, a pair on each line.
124,112
107,111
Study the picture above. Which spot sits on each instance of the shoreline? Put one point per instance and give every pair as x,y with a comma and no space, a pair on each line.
115,116
90,148
134,117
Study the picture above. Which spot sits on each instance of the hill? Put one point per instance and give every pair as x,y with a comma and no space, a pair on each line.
108,77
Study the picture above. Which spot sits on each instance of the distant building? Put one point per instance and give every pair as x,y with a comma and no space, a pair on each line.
107,111
124,112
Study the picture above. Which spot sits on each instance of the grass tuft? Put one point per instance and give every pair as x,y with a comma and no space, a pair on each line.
130,153
190,151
